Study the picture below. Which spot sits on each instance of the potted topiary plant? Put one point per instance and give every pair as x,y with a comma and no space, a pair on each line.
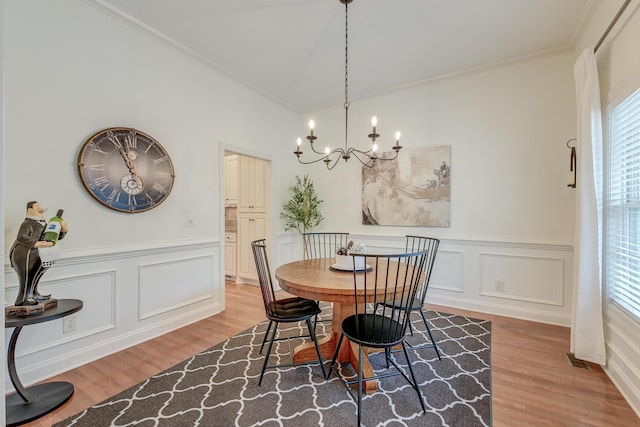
302,211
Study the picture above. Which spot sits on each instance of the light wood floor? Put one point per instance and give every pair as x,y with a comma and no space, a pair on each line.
533,384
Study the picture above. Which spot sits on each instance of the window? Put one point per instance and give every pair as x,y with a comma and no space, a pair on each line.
622,266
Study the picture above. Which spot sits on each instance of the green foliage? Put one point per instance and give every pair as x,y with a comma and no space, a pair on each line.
302,211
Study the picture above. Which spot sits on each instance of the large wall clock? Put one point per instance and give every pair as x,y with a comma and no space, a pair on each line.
125,169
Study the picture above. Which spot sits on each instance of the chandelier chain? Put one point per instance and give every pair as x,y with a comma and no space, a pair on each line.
346,53
346,75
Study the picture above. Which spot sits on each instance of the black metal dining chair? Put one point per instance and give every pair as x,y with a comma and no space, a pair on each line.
323,244
378,322
429,244
285,310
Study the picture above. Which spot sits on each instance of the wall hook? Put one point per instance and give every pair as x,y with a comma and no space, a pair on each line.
573,163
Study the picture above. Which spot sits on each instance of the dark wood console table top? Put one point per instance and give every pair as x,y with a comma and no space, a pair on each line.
28,404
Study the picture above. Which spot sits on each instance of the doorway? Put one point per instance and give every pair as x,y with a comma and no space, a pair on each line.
247,212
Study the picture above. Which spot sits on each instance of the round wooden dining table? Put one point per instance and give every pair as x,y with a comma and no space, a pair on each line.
315,279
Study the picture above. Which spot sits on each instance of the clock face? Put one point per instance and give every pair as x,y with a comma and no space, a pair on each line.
125,169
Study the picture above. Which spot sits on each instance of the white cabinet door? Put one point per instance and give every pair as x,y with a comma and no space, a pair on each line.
252,183
250,227
230,259
231,180
259,185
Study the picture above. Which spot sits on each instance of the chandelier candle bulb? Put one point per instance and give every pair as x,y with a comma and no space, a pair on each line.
298,152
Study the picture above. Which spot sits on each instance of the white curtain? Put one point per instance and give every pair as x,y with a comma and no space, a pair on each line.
587,328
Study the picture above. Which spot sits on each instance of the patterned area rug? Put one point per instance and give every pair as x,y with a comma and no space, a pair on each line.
219,387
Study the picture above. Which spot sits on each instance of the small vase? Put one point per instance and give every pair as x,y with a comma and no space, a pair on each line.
345,262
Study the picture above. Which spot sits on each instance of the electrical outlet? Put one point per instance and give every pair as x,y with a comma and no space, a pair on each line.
69,324
500,285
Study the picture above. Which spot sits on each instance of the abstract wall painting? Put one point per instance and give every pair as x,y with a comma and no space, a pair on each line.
412,190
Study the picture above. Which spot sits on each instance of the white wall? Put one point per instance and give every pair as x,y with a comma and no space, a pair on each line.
619,72
2,357
512,213
70,70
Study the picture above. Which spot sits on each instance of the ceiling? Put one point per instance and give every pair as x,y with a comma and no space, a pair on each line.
294,50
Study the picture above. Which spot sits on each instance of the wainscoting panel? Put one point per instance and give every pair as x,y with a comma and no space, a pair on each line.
168,285
129,296
526,278
97,292
448,271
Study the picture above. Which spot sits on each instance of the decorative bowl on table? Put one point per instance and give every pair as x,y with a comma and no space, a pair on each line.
345,259
345,262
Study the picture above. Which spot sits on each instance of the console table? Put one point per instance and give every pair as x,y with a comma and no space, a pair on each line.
33,402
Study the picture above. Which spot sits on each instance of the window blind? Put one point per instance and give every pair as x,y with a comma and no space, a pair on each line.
623,206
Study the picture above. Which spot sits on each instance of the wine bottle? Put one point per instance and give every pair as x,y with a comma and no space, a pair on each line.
52,232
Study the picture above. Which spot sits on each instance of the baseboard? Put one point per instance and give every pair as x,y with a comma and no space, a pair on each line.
501,310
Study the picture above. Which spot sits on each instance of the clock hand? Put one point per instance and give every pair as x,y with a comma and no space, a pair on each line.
135,174
127,161
130,160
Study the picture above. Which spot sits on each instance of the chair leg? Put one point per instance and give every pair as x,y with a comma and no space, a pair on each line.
326,320
360,356
264,340
410,327
426,323
312,332
415,384
266,357
335,356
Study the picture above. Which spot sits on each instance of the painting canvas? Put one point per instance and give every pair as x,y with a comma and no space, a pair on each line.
412,190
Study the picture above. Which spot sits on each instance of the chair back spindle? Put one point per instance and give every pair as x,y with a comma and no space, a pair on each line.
323,244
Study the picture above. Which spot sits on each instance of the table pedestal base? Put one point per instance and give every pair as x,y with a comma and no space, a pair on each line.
348,351
45,398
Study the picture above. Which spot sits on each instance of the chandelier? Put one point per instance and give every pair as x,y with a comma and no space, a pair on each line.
331,157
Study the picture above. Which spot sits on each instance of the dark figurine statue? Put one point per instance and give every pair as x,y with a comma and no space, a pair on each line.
25,257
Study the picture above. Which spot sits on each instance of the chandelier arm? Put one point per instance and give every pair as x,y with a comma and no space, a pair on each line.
322,153
333,165
311,162
368,163
355,152
390,158
325,157
366,153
